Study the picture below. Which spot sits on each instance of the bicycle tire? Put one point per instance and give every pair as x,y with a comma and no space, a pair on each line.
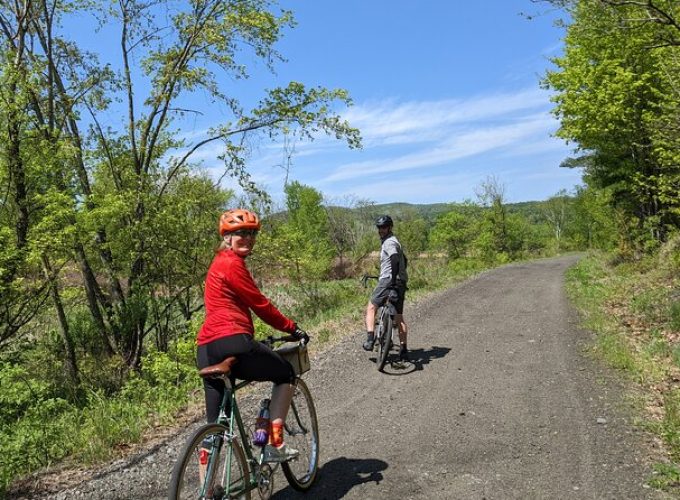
186,482
302,433
385,342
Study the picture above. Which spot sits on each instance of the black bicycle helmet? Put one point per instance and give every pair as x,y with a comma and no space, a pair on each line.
384,220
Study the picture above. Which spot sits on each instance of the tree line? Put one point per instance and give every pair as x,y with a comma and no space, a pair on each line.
119,205
617,96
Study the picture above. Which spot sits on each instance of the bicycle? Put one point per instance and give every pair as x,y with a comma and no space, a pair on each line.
384,322
219,461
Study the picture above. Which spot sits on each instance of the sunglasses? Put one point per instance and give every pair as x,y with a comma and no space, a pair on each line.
245,232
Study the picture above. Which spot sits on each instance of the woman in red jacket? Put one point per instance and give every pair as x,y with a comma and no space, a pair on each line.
230,295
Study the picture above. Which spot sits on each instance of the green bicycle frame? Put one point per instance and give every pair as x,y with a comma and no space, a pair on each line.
234,417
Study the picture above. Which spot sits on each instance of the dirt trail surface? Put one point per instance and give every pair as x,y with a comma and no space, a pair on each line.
499,402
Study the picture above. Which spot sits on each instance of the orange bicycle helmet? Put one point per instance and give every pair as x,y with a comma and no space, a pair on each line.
238,218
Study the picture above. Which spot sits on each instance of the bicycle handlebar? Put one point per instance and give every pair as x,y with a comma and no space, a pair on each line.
271,340
367,277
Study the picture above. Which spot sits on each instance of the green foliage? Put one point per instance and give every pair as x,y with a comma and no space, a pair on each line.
30,444
38,429
671,422
19,391
588,283
657,346
616,94
308,251
413,236
454,233
649,303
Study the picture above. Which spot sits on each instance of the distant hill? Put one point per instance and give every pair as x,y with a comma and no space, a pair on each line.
431,211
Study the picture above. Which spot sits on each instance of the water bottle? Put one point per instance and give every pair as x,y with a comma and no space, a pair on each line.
261,435
203,456
204,452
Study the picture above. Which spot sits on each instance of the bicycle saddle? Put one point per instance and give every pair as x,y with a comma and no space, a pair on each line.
219,369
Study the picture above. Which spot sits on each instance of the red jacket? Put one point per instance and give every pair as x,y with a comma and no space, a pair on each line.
230,295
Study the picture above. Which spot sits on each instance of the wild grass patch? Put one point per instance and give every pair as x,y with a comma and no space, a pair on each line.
632,311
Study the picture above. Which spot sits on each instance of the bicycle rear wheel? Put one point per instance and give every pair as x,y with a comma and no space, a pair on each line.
385,341
224,474
302,433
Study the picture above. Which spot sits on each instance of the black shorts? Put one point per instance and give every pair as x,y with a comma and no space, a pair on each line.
256,362
382,291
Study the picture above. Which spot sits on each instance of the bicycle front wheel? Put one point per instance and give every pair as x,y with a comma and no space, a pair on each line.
302,433
211,466
385,341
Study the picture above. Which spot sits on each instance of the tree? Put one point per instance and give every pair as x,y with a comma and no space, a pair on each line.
453,232
556,211
663,15
413,235
594,220
310,250
617,100
343,231
120,183
491,195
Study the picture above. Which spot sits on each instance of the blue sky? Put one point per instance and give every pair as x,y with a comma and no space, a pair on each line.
445,94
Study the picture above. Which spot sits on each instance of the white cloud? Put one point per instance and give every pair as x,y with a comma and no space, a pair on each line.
389,120
463,144
423,151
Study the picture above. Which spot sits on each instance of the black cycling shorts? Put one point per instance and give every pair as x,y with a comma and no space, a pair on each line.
382,291
256,362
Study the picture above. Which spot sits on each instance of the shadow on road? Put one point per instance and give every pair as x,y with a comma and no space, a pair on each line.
418,358
337,477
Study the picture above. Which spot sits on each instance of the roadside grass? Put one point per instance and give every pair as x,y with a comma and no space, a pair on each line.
632,309
41,428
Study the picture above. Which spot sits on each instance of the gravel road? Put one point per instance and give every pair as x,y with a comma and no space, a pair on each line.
498,403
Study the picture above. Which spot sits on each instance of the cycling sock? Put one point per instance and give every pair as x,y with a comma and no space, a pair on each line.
370,334
277,434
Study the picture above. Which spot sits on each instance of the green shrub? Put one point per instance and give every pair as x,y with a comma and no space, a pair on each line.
674,315
40,437
19,392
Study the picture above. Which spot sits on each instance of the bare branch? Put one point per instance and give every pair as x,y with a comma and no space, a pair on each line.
107,150
655,14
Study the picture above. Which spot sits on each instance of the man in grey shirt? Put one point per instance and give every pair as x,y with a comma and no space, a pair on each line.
393,276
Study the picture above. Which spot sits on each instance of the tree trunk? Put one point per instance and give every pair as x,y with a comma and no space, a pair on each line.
64,331
92,291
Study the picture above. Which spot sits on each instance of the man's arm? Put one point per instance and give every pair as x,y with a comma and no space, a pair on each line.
394,263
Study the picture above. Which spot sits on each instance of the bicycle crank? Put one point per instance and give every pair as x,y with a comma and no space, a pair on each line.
265,481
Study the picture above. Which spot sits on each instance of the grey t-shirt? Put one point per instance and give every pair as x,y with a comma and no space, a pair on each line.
388,248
